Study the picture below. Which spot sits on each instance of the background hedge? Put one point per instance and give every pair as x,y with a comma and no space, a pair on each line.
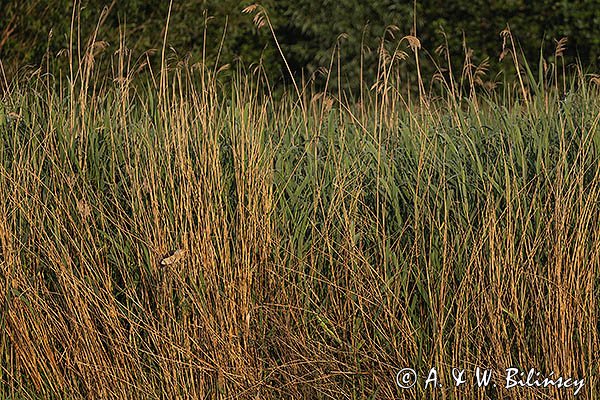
307,30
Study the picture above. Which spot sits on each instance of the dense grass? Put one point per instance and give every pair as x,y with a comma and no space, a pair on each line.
325,244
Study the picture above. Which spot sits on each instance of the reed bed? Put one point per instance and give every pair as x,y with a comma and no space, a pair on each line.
165,236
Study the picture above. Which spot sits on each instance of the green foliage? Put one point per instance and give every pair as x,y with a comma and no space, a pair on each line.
308,30
141,23
310,40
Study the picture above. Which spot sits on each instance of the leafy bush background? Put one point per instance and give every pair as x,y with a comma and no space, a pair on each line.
307,29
